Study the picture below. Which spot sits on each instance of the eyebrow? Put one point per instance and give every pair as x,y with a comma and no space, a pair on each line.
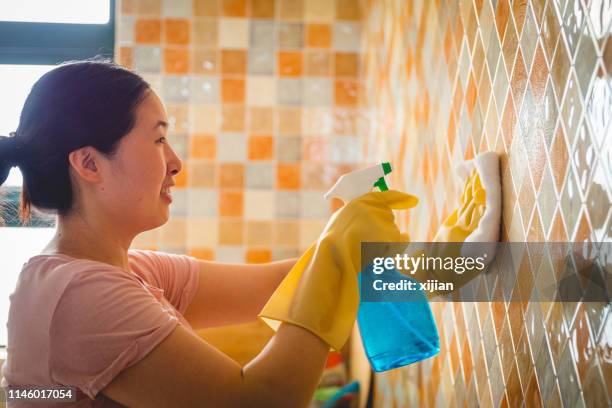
162,124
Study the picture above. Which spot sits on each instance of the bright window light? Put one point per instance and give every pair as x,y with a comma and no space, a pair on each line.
56,11
16,82
12,262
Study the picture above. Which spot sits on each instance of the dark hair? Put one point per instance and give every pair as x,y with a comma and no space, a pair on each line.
77,104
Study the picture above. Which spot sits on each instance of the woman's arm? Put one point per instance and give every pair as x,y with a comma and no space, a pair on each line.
232,293
185,371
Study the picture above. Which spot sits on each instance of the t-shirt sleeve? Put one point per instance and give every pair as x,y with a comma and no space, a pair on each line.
177,275
103,323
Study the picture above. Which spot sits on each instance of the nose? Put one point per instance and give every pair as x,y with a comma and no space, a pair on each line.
174,162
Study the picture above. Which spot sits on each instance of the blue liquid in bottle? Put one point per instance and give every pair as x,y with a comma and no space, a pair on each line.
398,332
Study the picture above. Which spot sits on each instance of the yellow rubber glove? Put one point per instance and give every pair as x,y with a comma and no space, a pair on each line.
464,219
321,292
476,219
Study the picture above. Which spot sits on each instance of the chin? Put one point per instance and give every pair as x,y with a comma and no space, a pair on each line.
163,217
156,221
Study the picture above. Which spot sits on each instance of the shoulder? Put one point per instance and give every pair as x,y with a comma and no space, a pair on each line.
154,265
145,259
90,282
83,287
100,294
155,257
177,275
46,277
145,264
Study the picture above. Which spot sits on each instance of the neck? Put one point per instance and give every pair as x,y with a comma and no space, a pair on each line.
86,238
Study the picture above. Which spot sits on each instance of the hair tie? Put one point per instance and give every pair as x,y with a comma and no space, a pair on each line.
10,151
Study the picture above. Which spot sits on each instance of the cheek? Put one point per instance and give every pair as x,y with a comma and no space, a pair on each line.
141,171
138,184
146,169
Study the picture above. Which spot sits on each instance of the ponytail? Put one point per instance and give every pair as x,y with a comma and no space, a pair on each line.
10,156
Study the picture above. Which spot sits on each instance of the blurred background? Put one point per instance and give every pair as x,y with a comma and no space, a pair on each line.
271,100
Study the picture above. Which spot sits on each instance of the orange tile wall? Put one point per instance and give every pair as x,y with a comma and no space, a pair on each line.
262,99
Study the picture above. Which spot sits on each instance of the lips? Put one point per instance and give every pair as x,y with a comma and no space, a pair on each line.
167,196
166,193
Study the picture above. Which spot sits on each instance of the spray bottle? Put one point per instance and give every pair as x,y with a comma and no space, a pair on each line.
394,334
351,185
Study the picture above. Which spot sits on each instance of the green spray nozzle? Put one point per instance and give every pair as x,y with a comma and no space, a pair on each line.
351,185
381,183
386,167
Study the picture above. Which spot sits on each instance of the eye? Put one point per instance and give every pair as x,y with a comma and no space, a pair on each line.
161,138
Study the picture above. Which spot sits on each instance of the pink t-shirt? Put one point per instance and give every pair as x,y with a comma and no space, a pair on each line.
77,322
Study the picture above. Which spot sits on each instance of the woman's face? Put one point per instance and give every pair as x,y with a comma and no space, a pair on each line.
144,165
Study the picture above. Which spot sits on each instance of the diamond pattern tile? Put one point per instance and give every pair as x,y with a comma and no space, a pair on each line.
526,79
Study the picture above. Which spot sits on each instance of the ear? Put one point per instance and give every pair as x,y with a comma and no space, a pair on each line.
86,163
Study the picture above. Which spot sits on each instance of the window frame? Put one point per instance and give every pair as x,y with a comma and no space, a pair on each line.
32,43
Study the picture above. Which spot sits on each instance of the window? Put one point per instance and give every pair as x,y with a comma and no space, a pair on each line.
57,11
30,41
35,35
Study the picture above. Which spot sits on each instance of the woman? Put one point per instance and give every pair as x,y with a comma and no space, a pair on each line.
116,323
